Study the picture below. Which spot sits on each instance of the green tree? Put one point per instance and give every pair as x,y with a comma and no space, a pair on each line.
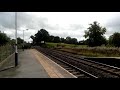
19,40
33,38
115,39
56,39
73,41
51,38
68,40
12,41
95,35
41,35
4,38
63,40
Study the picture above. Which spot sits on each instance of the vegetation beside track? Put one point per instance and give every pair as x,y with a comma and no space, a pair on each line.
101,51
5,51
63,45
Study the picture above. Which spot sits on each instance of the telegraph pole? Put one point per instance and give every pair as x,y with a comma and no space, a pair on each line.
16,52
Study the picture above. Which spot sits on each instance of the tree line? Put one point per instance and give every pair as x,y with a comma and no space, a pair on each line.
43,35
4,39
94,36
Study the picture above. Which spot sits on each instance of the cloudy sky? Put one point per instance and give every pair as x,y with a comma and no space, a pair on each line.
61,24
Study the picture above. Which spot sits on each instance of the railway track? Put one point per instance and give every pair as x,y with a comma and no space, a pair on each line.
80,67
96,64
79,73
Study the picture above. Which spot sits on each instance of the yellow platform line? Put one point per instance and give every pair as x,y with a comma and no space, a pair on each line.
52,71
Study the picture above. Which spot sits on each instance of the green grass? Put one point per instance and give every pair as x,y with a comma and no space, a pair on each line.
51,45
63,45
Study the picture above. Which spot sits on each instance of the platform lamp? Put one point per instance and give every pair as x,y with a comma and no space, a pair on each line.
16,51
23,38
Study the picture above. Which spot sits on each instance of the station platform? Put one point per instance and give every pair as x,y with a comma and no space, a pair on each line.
33,64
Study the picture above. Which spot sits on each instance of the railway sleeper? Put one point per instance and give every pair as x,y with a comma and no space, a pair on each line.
76,73
80,75
72,70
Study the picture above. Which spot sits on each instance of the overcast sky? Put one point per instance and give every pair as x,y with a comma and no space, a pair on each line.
61,24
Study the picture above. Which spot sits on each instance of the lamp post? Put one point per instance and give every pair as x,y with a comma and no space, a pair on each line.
23,39
16,52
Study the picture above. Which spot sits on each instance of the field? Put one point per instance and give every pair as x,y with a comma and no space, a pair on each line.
56,45
83,50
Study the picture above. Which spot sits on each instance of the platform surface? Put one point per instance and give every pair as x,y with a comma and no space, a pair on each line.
33,64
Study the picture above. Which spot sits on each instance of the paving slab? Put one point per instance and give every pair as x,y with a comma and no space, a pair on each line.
33,64
28,68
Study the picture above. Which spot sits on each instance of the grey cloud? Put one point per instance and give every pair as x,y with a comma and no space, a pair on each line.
7,20
61,34
24,20
113,25
64,35
53,27
74,34
30,21
76,27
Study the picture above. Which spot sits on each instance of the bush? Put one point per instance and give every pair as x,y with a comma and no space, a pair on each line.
5,51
